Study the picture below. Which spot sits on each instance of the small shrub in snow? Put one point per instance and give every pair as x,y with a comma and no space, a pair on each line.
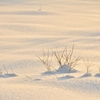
88,65
67,58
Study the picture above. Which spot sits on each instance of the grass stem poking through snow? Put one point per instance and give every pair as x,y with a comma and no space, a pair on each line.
88,64
47,59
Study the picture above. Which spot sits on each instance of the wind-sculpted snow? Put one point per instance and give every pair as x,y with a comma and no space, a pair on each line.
30,29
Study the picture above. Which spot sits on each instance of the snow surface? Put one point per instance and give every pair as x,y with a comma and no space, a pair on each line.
29,26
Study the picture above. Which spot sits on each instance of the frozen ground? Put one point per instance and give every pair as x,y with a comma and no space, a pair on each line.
29,26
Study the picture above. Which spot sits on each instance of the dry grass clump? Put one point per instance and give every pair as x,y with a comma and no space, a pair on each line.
46,59
59,57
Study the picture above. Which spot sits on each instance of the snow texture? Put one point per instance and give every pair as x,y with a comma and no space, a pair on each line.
27,27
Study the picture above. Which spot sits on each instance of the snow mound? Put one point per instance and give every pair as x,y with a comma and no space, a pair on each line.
86,75
97,75
8,75
48,73
65,69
